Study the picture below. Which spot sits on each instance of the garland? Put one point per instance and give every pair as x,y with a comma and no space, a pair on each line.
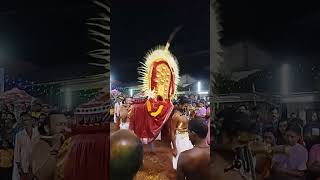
156,113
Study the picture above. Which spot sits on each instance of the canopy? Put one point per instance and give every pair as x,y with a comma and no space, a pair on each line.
94,109
16,96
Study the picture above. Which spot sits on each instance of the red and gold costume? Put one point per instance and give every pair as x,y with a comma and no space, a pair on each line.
160,74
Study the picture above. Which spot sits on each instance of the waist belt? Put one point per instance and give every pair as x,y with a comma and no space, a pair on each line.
182,131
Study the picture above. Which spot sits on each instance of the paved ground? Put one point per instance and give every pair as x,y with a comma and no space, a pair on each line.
156,166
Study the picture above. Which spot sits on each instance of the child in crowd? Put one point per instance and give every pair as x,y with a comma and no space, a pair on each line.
291,166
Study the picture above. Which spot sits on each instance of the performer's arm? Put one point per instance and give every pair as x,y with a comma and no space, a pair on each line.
173,134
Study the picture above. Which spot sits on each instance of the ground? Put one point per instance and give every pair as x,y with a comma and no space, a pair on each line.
156,166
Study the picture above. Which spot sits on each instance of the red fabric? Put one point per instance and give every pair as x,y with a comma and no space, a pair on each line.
89,155
146,126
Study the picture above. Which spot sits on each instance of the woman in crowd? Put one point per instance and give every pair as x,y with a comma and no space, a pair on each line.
201,111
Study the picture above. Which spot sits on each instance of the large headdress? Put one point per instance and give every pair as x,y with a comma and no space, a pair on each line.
160,72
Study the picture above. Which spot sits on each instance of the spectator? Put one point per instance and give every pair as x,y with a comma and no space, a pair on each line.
314,160
201,112
6,159
281,132
25,139
36,109
18,126
194,163
43,124
269,137
293,165
293,115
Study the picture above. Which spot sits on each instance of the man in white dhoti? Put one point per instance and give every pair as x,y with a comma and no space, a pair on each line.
116,110
124,120
179,130
23,150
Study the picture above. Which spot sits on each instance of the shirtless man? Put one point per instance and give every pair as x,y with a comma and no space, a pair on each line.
179,130
222,157
194,163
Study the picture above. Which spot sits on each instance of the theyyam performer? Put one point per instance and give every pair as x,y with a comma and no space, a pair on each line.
159,77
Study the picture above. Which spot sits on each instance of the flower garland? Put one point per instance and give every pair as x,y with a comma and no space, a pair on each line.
156,113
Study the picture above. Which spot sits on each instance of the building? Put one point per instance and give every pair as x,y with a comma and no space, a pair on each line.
68,94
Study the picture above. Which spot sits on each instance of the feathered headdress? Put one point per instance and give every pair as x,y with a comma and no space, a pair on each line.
160,72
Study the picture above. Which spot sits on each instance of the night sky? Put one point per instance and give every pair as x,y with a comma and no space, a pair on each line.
41,36
138,26
287,30
282,28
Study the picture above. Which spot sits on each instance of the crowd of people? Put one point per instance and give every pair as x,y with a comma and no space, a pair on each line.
20,130
294,143
189,134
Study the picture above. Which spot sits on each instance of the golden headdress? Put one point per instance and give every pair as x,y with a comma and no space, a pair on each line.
160,72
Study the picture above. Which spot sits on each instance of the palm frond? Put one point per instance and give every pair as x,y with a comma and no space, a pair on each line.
105,27
104,43
99,31
102,5
99,34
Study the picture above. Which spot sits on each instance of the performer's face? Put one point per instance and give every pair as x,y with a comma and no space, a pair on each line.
184,106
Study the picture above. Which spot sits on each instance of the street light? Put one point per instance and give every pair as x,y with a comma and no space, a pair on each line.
131,92
68,98
285,79
199,87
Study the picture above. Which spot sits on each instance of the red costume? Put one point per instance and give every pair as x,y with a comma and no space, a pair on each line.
160,74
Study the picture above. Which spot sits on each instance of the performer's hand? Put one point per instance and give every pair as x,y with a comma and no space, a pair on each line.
174,152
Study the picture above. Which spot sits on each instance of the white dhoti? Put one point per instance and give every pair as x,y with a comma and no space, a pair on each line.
183,143
114,118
